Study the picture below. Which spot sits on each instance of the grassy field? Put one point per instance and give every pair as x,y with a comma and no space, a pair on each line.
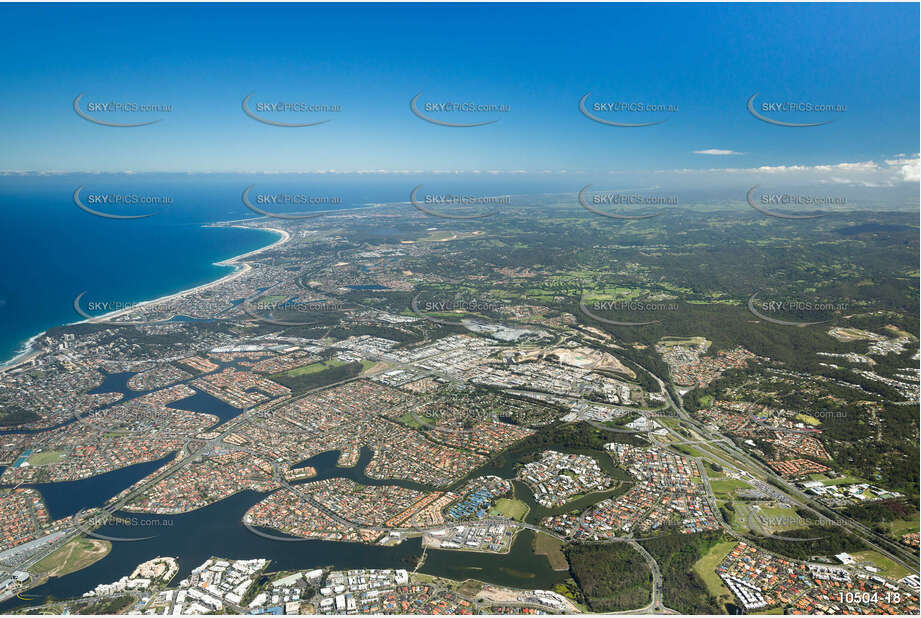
688,450
515,509
898,527
884,564
739,518
778,519
368,366
78,554
712,473
313,368
672,341
45,457
470,587
725,487
898,332
318,375
852,334
669,421
777,511
416,422
706,568
546,545
809,420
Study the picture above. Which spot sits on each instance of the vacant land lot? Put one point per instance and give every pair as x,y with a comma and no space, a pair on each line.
514,509
76,555
887,566
546,545
45,458
313,368
706,569
724,488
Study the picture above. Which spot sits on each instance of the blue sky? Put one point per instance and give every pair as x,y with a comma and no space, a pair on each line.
539,60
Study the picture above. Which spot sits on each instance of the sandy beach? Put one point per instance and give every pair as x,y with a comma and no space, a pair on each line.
240,268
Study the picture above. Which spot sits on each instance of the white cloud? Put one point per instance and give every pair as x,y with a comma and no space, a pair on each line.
898,169
908,167
891,171
717,151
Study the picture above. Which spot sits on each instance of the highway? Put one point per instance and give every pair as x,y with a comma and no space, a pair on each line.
717,447
785,492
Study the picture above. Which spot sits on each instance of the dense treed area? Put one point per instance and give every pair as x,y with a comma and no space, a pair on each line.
878,515
612,577
829,540
575,436
728,326
16,415
682,588
305,382
875,512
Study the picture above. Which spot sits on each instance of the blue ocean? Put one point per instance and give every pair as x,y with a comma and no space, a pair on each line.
54,250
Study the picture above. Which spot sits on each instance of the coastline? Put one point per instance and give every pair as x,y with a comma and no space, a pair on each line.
28,351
